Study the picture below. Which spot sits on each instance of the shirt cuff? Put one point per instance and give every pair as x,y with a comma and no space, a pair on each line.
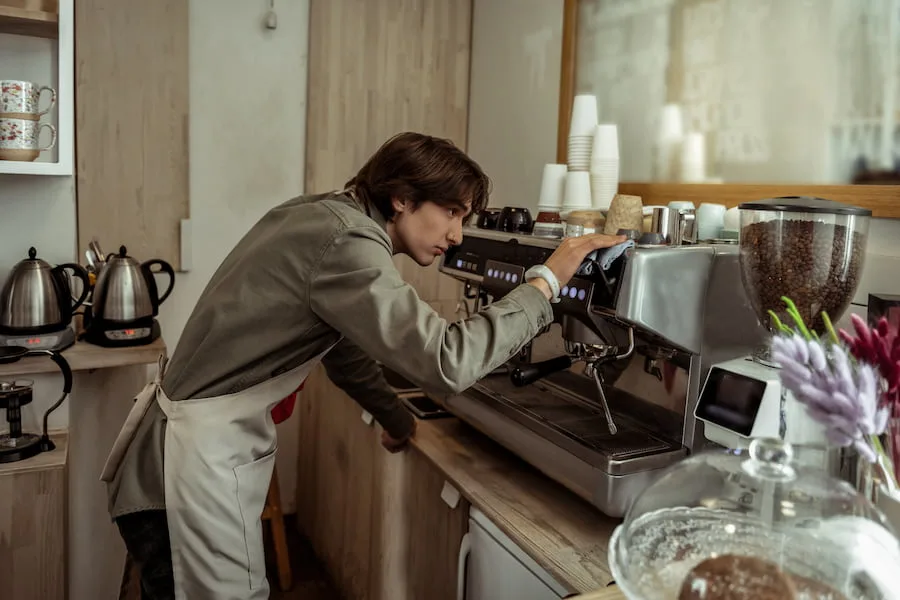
534,304
398,421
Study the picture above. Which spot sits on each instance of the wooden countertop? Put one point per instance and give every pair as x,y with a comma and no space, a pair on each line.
83,356
560,531
610,593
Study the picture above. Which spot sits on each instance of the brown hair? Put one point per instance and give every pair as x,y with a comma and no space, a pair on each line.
418,168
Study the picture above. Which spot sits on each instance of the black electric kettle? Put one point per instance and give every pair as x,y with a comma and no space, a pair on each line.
125,292
37,298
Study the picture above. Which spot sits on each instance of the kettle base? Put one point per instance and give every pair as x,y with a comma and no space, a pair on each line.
111,335
57,340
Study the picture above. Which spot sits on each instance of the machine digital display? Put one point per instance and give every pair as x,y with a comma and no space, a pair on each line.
731,400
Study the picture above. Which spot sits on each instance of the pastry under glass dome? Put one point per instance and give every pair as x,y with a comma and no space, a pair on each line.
815,534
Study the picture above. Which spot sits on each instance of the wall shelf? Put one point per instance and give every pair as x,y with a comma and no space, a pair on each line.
87,357
14,167
33,23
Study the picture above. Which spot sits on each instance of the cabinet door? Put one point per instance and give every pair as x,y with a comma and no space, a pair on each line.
375,519
494,573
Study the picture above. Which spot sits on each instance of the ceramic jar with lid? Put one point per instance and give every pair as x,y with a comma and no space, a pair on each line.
584,222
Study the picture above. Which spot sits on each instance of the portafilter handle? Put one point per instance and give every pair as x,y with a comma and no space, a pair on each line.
524,375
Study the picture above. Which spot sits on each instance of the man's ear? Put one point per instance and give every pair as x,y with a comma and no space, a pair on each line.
398,204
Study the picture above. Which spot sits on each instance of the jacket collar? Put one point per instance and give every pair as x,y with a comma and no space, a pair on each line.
365,208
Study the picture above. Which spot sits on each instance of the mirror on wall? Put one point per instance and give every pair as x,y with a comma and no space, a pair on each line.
746,91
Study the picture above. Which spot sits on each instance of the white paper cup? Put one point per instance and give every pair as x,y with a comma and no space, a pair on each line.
553,185
584,115
693,158
671,128
578,190
606,143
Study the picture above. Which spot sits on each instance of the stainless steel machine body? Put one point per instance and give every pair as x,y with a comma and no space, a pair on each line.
644,334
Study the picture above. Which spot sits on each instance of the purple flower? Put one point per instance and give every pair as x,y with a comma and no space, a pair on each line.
838,393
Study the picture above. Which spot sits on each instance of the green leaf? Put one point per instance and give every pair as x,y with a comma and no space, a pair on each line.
795,314
828,326
779,325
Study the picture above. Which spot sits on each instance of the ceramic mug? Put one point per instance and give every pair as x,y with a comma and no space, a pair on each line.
710,221
19,139
21,99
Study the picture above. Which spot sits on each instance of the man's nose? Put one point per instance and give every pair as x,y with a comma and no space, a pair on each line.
455,236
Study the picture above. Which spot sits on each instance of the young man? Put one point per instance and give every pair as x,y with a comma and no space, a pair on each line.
313,281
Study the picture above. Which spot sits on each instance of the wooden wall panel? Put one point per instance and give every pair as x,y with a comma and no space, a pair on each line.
131,125
381,68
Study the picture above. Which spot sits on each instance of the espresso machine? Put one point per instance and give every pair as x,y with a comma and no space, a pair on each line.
616,406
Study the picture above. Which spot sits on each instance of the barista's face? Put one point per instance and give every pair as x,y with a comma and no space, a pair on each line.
426,232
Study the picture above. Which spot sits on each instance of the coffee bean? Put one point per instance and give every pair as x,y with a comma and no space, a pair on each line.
817,265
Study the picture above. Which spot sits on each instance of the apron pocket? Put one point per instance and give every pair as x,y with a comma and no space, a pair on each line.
252,488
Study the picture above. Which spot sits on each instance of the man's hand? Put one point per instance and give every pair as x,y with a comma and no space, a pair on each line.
394,445
572,251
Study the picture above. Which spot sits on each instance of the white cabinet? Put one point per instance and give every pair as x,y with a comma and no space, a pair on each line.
492,567
37,44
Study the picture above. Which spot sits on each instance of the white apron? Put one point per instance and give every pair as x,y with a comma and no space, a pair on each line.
218,459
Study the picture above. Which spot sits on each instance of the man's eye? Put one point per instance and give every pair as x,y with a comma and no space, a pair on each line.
452,212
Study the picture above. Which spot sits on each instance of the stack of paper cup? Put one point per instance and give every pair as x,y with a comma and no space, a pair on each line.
553,188
578,192
604,166
581,132
668,143
693,158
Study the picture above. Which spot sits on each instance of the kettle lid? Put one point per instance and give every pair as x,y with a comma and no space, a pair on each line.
122,256
32,262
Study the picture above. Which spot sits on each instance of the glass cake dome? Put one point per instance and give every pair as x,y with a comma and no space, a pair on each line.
755,523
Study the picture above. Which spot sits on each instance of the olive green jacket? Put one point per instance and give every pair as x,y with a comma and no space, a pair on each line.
313,272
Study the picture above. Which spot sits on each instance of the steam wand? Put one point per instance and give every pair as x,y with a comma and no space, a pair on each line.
594,360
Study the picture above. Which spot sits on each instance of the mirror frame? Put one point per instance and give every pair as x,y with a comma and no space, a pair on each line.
882,200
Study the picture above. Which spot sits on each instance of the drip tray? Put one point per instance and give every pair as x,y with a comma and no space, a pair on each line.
572,422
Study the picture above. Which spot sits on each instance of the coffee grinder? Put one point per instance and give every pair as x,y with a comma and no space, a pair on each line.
17,445
807,249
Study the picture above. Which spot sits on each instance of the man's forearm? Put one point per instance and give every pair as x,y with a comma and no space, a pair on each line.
361,378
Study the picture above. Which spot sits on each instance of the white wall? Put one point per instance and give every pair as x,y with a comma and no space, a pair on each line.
247,152
247,136
513,94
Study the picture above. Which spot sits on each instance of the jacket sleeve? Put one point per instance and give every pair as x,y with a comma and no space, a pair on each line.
353,371
358,291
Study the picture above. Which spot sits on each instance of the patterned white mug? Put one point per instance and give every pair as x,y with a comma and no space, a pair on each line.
19,139
21,99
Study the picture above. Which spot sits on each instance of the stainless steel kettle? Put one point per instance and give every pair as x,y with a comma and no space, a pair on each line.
37,298
125,290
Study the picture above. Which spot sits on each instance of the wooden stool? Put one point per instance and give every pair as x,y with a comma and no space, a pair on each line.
272,513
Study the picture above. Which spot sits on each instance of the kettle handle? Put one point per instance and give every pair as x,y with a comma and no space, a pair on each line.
82,274
164,267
